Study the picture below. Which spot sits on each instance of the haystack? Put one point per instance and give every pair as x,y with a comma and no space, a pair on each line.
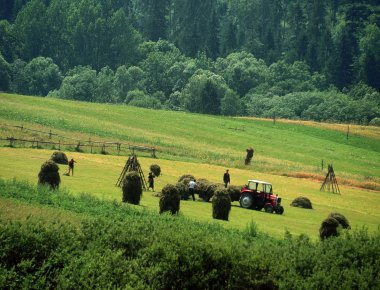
59,157
302,202
49,174
234,192
329,228
186,178
132,188
183,190
205,189
221,204
249,156
155,169
170,199
341,219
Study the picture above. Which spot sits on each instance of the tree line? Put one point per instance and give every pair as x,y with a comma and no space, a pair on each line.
290,58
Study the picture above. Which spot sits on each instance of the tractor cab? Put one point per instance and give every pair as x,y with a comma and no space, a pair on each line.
258,194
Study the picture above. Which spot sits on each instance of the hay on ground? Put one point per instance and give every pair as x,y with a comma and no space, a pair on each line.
170,199
302,202
221,204
59,157
156,169
341,219
49,174
329,228
132,188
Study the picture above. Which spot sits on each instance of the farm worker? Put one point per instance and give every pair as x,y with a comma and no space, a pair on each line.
192,185
151,181
71,166
226,178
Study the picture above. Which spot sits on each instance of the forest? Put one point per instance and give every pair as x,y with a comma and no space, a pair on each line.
298,59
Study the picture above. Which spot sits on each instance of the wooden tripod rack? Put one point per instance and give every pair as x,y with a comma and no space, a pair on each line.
330,183
132,164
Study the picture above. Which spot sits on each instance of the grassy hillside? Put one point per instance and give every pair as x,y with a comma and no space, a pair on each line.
280,148
97,175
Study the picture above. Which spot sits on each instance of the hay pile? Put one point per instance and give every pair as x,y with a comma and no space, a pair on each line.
59,157
302,202
221,204
170,199
330,226
205,189
155,169
341,219
186,178
249,156
132,188
49,174
183,190
234,192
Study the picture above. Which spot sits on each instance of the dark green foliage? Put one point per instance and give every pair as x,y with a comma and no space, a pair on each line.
234,192
156,169
302,202
132,188
59,157
118,246
375,122
5,70
329,228
170,199
221,204
341,219
205,189
49,174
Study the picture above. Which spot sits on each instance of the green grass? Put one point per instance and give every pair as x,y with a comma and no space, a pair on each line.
280,148
97,175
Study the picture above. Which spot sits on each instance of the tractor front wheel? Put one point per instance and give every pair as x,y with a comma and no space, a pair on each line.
246,200
280,210
268,208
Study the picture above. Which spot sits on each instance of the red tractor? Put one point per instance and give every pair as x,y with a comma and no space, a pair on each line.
258,195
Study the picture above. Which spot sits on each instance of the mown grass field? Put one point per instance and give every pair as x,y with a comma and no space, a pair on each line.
280,148
96,174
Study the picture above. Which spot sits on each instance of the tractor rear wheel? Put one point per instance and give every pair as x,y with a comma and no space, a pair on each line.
268,208
246,200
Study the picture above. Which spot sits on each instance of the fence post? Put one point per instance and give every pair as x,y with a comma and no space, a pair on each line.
322,164
59,145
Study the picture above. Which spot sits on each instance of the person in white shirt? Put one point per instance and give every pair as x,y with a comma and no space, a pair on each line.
192,185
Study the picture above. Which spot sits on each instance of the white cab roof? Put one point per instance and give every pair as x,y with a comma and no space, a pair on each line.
259,181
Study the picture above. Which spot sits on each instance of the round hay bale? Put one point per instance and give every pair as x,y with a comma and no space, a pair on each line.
49,174
234,192
186,178
205,189
221,204
59,157
170,199
329,228
302,202
183,190
132,188
156,169
341,219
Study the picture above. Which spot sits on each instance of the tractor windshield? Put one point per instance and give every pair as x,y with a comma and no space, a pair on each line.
263,187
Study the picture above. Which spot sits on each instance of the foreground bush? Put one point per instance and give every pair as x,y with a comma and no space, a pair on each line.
170,199
49,174
221,204
132,188
302,202
119,246
59,157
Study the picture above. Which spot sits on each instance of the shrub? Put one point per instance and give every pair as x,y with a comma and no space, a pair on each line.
49,174
329,228
170,199
234,192
302,202
375,122
59,157
183,190
221,204
205,189
156,169
249,156
341,219
132,189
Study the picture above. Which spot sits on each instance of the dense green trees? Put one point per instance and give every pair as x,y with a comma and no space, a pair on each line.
211,56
